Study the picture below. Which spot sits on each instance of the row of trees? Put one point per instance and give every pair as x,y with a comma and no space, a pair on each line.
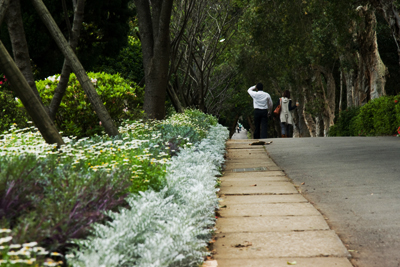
205,54
183,61
324,52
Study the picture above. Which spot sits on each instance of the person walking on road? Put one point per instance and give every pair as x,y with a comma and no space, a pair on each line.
262,104
285,116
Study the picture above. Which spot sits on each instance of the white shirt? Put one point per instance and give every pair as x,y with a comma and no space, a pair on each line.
261,99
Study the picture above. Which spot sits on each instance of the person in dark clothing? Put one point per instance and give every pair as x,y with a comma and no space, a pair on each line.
262,104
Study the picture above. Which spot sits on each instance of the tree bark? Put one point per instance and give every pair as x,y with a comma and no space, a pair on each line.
372,67
66,69
308,119
19,44
174,99
391,14
77,68
32,104
349,81
154,29
341,92
4,4
329,97
232,129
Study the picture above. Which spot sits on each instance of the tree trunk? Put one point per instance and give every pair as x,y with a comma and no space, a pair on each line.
4,4
154,30
372,64
391,14
349,82
66,69
308,119
232,129
77,68
319,127
19,44
32,104
341,92
174,99
329,97
300,128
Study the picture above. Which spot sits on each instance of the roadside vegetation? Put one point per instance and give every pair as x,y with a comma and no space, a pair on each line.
379,116
53,196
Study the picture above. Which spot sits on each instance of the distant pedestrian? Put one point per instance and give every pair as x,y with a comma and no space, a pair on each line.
238,129
286,119
262,104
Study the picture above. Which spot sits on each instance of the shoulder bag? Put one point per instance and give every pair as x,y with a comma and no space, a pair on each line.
277,111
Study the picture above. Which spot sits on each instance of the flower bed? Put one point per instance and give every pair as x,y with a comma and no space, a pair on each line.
52,196
165,228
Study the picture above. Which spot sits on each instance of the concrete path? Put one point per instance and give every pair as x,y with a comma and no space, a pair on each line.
264,221
241,135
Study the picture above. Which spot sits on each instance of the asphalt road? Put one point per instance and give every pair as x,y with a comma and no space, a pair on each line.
355,183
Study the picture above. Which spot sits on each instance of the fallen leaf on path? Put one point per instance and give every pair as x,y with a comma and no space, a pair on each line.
291,262
303,183
246,244
260,143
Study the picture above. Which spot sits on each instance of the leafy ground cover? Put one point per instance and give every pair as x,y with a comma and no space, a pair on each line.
379,116
53,196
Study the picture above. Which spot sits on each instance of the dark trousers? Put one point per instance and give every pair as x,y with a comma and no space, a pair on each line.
261,123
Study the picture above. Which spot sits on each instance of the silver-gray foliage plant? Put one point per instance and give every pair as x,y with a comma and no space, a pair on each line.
166,228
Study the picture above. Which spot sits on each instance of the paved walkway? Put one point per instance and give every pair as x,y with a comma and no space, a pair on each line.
264,221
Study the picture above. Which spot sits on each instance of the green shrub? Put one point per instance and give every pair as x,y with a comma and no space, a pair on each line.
344,125
397,109
377,117
10,113
194,118
129,62
380,116
122,99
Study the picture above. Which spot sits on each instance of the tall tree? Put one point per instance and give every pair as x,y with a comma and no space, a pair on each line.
66,69
19,44
199,73
154,20
32,104
77,68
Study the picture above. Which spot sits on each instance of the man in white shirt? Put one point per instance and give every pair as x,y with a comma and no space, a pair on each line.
262,104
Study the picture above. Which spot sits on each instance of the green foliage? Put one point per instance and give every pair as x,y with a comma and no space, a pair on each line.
377,117
129,62
344,125
122,99
380,116
48,204
10,113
